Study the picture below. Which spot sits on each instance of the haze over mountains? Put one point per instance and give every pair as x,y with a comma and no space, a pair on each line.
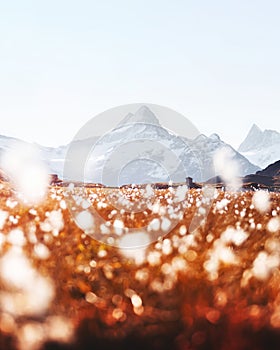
140,150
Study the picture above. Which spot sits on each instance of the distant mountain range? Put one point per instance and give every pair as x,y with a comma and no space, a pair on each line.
261,147
135,134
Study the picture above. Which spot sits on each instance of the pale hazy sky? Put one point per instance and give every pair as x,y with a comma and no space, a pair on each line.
62,62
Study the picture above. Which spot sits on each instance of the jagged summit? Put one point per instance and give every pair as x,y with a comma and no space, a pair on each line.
142,115
257,139
255,128
215,137
252,139
261,147
201,138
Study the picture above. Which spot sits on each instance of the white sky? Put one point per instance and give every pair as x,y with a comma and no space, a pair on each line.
62,62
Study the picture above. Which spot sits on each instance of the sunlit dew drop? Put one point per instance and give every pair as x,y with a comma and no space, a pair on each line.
53,223
165,224
32,294
226,255
27,171
91,297
59,329
182,230
113,213
274,224
154,258
179,264
16,237
11,204
228,167
33,211
264,264
235,236
167,247
166,269
154,225
15,269
41,251
136,300
30,336
102,253
156,208
261,201
142,275
133,246
118,226
85,220
210,237
272,245
13,219
117,313
63,204
222,204
3,217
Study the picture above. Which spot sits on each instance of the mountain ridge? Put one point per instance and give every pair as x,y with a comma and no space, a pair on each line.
196,156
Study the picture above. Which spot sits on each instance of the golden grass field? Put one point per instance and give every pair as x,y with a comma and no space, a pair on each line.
215,288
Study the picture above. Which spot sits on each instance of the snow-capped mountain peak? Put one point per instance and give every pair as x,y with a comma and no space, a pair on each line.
139,150
215,137
253,138
142,115
261,147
